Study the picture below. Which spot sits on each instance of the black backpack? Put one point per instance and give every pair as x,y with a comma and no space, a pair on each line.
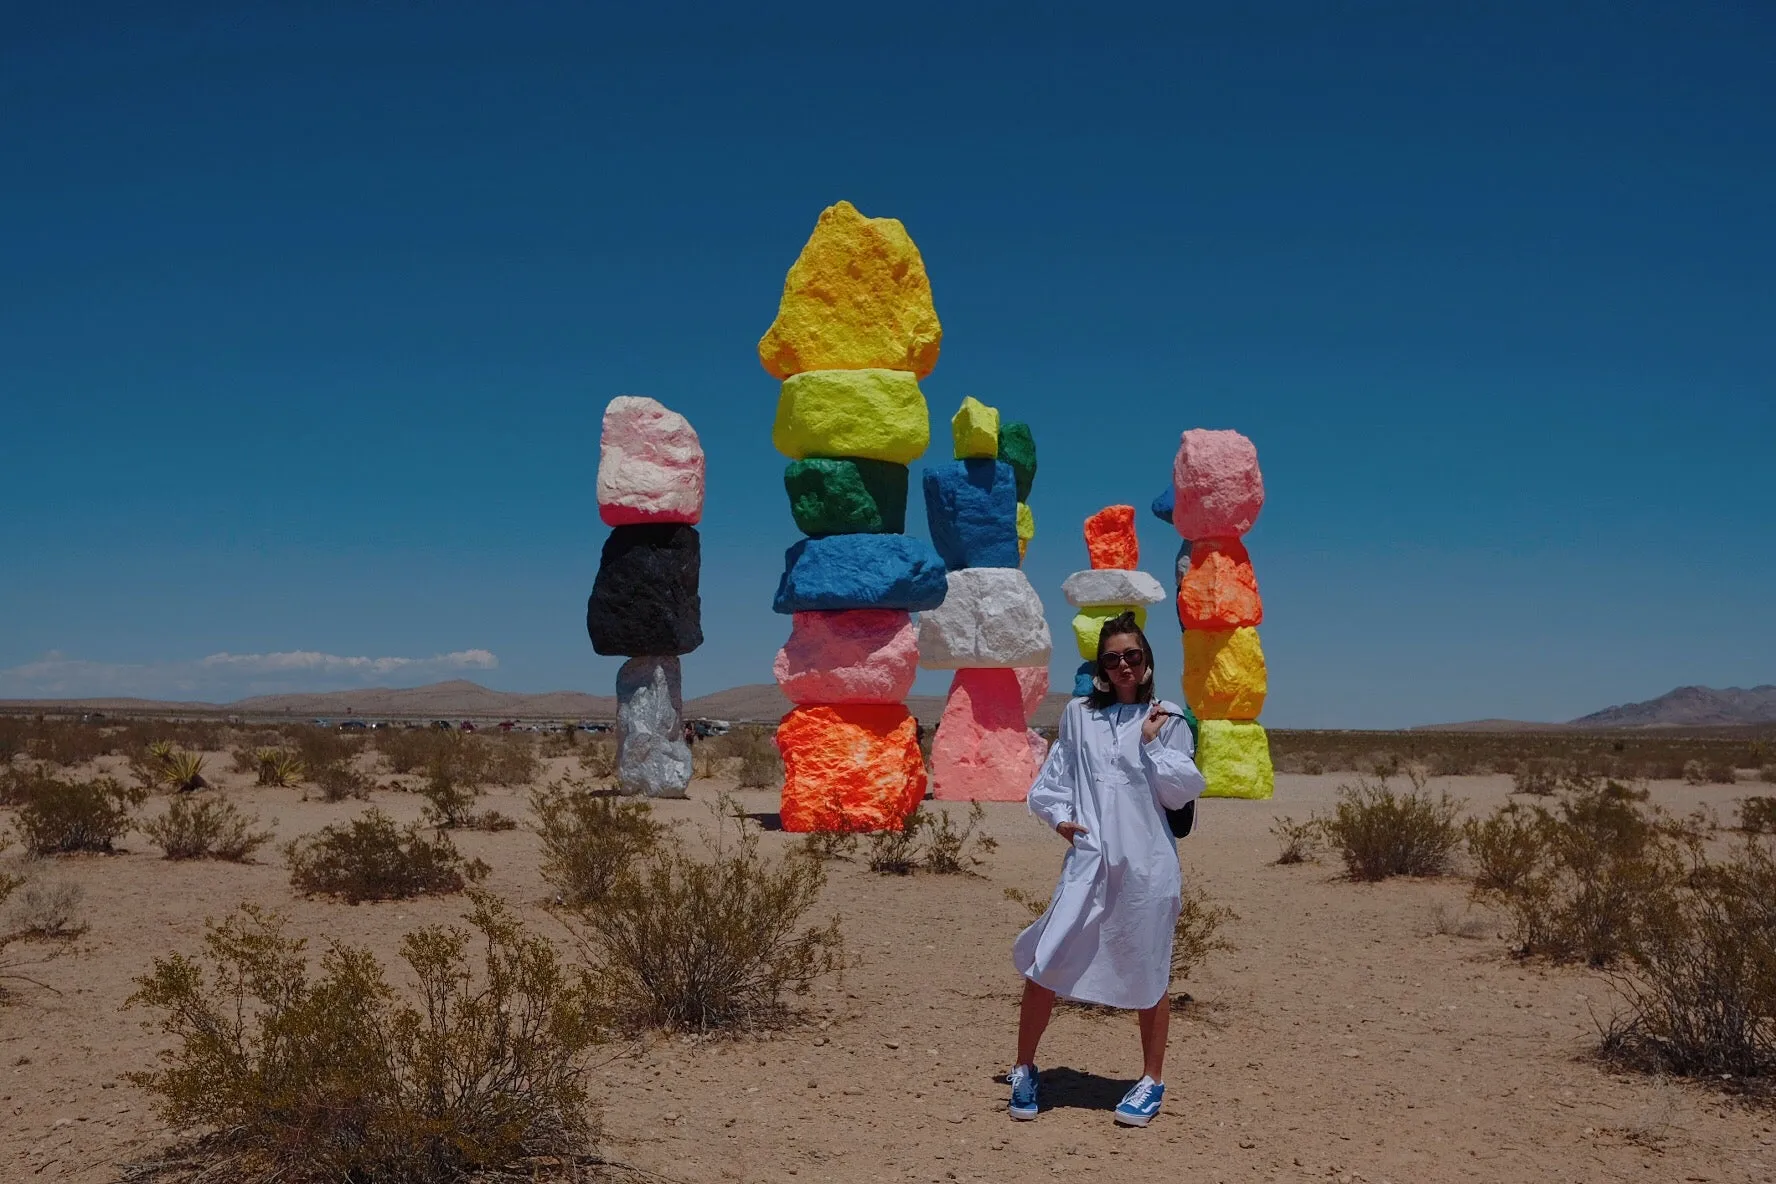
1183,821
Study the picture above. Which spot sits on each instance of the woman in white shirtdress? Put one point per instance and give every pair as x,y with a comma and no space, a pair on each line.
1121,761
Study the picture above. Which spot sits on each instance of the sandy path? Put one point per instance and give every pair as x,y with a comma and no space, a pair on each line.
1346,1038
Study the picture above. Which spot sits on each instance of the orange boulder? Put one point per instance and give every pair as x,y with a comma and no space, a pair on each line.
1219,590
849,767
1110,538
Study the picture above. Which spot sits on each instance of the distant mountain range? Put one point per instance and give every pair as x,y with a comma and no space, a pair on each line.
1692,707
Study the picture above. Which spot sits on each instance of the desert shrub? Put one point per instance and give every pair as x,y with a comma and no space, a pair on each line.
1603,863
244,759
1540,776
1701,987
512,761
408,749
685,942
369,858
184,771
64,816
1767,774
69,742
320,747
896,852
1197,933
1758,815
827,845
598,759
205,828
1695,773
1034,905
761,765
339,781
1381,833
589,838
1506,847
1297,841
13,732
278,768
43,909
329,1076
17,784
951,850
1721,773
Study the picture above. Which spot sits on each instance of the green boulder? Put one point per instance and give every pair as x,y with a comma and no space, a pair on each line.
847,495
1017,448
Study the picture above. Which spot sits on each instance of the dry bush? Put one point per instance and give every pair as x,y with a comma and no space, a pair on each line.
67,743
1381,833
17,784
322,747
313,1079
896,852
64,816
590,838
1298,842
512,761
761,765
205,828
369,858
244,759
950,850
13,733
339,781
826,845
408,749
1701,990
598,759
1197,933
43,909
1540,776
1600,864
1506,847
686,942
1757,815
1767,774
1694,773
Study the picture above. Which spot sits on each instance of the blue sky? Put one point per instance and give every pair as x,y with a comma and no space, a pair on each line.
310,317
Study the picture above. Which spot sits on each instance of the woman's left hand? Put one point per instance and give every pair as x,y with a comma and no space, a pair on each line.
1151,725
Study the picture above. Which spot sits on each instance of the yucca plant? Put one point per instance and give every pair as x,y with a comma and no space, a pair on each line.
279,767
184,771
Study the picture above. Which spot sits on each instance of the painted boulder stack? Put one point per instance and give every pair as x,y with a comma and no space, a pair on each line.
645,602
990,628
1218,492
855,332
1113,585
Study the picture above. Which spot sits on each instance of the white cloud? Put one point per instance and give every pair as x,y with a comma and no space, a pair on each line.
225,676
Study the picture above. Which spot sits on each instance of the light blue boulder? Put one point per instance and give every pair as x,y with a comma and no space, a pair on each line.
846,571
971,508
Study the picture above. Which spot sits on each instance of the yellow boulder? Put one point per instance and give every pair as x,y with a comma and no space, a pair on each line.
1224,676
1026,528
875,414
856,298
1089,623
976,429
1234,756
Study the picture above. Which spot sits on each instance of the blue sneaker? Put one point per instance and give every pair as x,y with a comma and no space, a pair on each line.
1023,1092
1141,1103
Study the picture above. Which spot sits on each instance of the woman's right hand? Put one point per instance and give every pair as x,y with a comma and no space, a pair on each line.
1067,830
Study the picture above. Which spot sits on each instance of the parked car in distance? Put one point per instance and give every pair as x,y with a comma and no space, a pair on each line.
468,725
442,724
352,725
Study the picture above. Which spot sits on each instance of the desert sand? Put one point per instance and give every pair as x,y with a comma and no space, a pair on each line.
1372,1033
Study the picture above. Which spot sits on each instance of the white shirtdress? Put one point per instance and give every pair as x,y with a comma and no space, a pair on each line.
1107,935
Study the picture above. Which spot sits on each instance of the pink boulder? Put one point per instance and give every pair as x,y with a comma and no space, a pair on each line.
866,655
1033,685
1038,747
982,752
650,465
1218,487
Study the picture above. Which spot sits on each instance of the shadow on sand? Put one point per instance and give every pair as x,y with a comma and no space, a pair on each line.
1072,1089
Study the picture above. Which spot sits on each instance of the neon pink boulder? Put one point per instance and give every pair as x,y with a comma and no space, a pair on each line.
650,465
982,752
866,655
1218,487
1033,685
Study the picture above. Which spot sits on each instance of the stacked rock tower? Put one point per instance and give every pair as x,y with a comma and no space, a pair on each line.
1112,586
1218,491
855,332
645,603
990,628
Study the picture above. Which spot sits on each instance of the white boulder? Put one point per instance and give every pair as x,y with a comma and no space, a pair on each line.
991,617
1101,586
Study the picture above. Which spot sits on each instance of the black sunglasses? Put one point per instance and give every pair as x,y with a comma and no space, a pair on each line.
1133,659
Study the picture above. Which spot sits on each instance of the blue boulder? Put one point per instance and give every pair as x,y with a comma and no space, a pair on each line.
1162,505
845,571
971,507
1082,680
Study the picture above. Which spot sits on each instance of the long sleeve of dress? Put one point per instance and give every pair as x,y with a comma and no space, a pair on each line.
1052,794
1171,767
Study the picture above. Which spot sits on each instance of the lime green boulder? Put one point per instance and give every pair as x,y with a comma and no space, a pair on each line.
1090,623
1017,448
873,414
1234,756
976,429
